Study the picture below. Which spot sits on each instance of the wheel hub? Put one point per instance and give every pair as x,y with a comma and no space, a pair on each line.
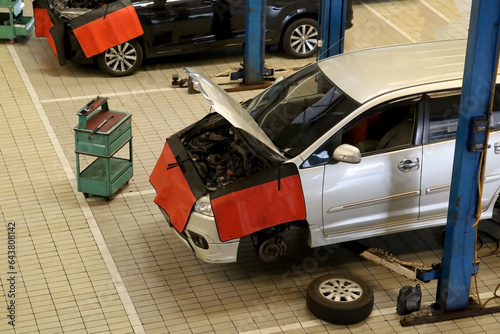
340,290
272,249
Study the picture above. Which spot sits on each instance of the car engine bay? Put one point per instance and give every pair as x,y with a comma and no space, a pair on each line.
221,155
69,9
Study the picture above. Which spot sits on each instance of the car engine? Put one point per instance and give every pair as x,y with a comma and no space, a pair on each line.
69,9
221,157
65,4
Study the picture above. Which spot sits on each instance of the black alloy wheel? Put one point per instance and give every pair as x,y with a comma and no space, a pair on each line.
300,39
121,60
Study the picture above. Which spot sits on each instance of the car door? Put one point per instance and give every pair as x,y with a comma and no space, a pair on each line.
441,122
278,12
178,26
382,191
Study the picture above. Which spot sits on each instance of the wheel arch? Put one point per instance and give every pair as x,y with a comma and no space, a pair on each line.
271,242
488,211
139,40
122,62
291,18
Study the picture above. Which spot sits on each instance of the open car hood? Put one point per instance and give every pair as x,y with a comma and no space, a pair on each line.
229,108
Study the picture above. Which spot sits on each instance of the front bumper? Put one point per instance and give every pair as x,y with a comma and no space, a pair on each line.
214,250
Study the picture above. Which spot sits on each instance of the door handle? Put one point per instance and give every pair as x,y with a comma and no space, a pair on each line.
497,147
409,165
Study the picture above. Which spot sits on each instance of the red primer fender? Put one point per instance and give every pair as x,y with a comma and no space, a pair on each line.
43,23
104,28
243,212
173,193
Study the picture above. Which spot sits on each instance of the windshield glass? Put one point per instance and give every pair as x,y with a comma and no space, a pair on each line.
298,110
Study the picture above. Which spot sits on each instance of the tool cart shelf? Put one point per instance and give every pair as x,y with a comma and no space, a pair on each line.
101,133
13,23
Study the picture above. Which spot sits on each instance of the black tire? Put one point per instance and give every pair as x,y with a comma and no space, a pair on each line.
340,299
300,39
121,60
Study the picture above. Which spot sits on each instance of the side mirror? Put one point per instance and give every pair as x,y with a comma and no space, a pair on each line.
347,153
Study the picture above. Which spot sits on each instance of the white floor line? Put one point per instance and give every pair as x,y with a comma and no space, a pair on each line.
388,22
96,232
435,11
113,94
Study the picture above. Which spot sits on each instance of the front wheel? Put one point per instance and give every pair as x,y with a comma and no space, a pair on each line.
300,39
340,299
121,60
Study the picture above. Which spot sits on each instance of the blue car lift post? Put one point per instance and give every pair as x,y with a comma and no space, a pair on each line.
253,62
332,16
457,267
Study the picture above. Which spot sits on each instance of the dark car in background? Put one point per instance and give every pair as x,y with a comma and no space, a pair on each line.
90,29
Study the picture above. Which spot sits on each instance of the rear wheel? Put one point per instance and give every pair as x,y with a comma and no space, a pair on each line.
300,39
121,60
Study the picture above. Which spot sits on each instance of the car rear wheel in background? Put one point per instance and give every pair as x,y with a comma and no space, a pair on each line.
340,299
121,60
300,39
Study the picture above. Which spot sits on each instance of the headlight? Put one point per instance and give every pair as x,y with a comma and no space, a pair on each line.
203,206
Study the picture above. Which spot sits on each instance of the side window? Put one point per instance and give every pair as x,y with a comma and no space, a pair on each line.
443,114
388,126
321,156
384,127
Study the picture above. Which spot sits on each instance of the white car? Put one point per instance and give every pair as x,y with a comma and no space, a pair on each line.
354,146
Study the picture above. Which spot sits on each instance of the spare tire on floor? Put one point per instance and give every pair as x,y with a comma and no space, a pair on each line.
340,299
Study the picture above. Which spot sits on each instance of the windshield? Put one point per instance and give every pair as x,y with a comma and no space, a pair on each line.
298,110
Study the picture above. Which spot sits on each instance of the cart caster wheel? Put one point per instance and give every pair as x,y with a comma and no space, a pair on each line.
86,195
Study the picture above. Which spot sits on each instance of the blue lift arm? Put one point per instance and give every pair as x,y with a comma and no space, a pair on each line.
480,71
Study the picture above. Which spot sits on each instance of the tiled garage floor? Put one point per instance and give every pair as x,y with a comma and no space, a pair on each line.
91,266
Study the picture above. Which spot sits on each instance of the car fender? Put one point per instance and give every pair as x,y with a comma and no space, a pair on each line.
176,182
269,198
50,26
295,15
106,26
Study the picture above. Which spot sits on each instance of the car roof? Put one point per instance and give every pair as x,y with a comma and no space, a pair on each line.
366,74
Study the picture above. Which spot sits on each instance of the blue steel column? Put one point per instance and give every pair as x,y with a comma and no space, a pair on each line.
479,79
253,64
332,16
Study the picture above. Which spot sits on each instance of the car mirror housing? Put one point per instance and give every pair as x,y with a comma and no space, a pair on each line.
347,153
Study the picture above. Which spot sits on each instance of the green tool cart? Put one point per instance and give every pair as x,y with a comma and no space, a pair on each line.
101,133
13,23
